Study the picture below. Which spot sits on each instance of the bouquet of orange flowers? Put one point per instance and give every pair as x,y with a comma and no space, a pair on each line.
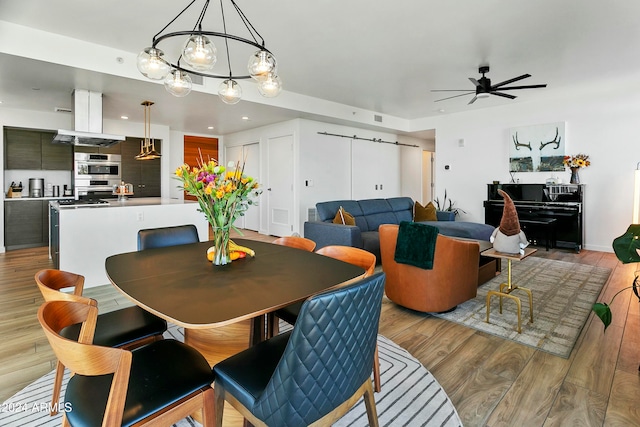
577,161
224,194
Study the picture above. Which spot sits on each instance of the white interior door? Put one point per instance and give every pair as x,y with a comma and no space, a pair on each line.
251,152
279,188
427,176
234,154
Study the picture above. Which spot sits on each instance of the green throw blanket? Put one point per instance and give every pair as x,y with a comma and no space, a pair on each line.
416,244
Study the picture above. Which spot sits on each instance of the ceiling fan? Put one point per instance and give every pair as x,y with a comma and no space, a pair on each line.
484,88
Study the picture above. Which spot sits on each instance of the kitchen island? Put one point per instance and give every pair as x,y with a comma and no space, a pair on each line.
82,236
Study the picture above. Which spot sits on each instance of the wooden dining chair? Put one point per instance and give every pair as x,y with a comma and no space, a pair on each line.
157,384
167,236
296,242
127,328
364,259
313,374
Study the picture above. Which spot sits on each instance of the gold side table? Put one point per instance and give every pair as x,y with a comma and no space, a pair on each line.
508,287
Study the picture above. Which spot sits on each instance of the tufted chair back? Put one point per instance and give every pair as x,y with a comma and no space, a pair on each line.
328,357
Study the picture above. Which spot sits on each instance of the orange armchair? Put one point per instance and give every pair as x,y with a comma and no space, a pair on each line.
452,281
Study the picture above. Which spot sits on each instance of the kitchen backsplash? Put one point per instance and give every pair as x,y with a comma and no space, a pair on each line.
54,177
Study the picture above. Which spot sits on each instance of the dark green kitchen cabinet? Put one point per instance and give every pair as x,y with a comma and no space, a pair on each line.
144,175
55,156
23,149
33,150
26,224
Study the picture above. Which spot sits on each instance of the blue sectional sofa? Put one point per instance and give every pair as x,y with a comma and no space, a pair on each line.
369,214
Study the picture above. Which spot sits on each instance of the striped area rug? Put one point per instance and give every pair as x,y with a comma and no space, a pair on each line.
563,294
410,396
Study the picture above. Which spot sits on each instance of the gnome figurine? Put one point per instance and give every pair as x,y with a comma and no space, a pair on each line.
508,237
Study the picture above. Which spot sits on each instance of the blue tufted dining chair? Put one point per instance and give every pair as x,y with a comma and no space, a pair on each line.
167,236
314,373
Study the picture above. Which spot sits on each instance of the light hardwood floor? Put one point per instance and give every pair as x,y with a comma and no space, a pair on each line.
491,381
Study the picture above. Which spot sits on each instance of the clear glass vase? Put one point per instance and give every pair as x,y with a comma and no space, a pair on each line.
221,244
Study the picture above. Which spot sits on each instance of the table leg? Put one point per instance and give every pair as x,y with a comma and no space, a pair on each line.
505,291
217,344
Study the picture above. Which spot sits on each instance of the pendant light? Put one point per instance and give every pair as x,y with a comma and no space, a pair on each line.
147,145
199,54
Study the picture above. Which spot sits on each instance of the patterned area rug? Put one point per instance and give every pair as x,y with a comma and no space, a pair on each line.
563,294
410,396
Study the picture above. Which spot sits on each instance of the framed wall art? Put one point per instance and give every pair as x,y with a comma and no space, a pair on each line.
537,148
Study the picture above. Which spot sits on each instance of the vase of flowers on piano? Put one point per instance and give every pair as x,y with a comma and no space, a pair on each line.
575,163
224,194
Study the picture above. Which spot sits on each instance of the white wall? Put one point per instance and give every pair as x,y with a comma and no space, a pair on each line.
326,161
600,122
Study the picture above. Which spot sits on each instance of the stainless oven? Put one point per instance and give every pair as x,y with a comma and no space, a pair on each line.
96,174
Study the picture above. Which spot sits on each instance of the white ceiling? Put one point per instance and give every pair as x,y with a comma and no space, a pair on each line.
384,57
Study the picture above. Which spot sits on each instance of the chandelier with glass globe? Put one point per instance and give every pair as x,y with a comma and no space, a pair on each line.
199,55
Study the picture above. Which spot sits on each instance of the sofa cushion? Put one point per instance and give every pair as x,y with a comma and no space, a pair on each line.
376,212
343,217
327,210
425,213
371,243
468,230
402,208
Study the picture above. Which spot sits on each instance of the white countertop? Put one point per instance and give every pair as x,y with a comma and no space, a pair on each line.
131,202
11,199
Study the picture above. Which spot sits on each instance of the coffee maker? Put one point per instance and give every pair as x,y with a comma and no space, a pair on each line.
36,187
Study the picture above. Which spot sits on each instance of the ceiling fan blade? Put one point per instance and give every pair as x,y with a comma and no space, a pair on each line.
505,95
515,79
450,90
474,81
523,87
455,96
472,100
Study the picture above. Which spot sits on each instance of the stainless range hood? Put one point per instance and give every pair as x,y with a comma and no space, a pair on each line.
87,123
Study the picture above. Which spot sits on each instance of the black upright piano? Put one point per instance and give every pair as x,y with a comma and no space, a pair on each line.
544,210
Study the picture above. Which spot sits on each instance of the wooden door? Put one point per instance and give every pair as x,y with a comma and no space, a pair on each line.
197,148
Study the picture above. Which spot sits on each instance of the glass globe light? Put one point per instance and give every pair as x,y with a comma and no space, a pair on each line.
261,63
178,83
151,64
230,92
200,53
271,86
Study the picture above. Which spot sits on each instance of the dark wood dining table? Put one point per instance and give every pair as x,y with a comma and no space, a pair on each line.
179,284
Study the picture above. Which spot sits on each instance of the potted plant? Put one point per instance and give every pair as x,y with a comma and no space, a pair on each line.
626,248
448,205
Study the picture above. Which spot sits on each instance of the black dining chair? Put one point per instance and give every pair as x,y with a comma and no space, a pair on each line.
128,327
151,238
314,373
160,383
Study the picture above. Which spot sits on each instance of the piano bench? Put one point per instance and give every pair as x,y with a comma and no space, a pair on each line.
541,227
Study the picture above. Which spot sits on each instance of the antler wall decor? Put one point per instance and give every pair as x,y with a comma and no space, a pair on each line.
519,144
555,140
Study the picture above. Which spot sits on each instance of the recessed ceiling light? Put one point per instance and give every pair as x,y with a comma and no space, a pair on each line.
210,127
124,117
245,118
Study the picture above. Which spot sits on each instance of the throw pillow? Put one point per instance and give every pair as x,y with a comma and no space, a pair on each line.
344,217
424,213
